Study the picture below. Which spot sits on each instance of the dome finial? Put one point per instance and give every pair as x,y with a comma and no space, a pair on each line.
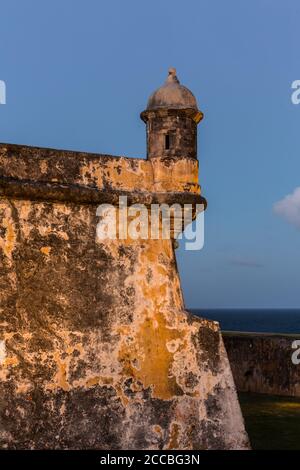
172,95
172,77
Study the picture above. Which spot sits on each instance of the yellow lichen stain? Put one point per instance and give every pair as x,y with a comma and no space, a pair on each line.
119,173
157,360
157,429
154,358
174,437
121,395
181,176
106,380
45,250
11,361
92,173
8,243
122,175
136,387
92,381
98,380
76,347
43,166
162,270
61,375
63,235
23,387
44,230
159,260
149,358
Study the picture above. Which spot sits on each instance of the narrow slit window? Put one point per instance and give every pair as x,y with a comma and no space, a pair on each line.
167,141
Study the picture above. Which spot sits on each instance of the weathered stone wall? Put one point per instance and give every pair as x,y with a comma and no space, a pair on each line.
262,363
182,131
96,349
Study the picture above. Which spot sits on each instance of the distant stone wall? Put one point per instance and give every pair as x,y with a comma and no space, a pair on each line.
262,363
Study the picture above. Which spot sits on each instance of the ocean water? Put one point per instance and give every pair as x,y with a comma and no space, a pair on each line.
254,320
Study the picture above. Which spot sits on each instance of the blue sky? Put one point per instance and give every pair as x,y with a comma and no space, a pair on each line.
78,73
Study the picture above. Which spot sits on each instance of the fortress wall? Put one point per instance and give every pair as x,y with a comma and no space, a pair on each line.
96,349
262,363
104,172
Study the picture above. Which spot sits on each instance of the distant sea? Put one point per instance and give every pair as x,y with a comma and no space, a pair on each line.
254,320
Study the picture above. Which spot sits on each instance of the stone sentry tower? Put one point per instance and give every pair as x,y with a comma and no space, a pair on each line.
172,116
96,348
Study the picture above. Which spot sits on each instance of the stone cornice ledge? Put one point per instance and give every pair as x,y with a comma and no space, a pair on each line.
75,193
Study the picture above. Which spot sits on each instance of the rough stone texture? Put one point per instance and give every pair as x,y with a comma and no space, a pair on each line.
178,125
105,173
96,349
262,363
